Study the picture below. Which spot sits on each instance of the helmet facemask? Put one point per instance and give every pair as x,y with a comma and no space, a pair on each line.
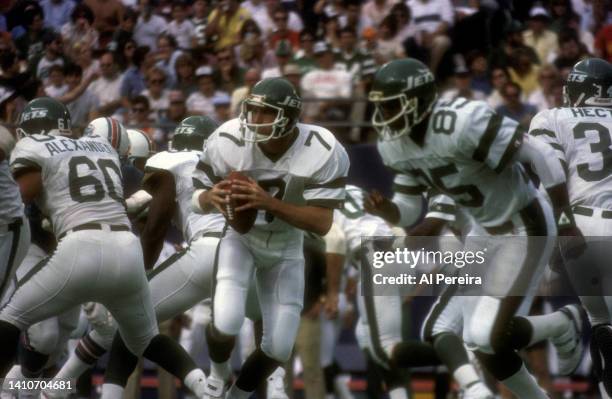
251,132
399,106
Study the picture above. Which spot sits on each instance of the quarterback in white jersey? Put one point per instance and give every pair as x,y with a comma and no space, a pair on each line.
581,136
297,175
14,227
465,150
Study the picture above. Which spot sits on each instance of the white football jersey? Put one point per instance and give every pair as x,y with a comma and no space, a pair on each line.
582,139
81,179
467,154
182,164
311,172
11,206
355,223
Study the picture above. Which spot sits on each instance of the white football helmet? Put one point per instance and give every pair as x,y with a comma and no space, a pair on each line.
141,145
113,131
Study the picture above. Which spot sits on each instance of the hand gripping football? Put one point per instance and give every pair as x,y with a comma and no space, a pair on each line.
244,220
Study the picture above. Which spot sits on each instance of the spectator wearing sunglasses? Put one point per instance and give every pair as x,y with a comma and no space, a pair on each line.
156,91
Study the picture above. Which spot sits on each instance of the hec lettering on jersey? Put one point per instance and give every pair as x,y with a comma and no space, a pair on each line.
577,112
34,114
292,102
588,112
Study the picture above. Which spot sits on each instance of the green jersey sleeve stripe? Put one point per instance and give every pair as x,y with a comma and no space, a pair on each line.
511,149
543,132
409,190
488,138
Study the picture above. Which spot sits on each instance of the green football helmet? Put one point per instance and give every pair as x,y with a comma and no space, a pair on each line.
589,83
192,132
44,115
403,91
275,95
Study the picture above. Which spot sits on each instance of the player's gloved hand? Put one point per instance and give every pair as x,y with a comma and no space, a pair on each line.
379,205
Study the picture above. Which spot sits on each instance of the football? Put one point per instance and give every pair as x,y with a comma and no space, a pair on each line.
241,221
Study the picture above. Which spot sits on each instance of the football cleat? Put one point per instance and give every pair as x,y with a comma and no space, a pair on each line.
569,344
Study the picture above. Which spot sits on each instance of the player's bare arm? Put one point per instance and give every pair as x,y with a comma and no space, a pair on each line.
161,186
30,184
334,264
379,205
310,218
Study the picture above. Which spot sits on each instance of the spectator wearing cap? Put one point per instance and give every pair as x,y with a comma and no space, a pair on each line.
57,12
513,107
79,31
375,11
544,97
462,85
225,21
432,20
251,77
282,31
108,14
156,91
201,102
148,26
221,103
282,55
305,57
330,87
185,74
134,78
180,27
177,111
108,86
351,58
538,36
53,55
228,75
524,72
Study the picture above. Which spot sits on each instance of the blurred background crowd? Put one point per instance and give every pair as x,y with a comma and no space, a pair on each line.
150,63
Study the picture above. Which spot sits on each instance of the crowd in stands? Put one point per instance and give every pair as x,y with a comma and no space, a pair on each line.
151,63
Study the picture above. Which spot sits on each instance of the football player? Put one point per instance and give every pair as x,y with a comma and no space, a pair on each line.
14,229
185,278
465,150
581,135
77,184
141,148
296,174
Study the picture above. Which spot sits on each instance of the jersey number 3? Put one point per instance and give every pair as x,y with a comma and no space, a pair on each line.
97,191
601,147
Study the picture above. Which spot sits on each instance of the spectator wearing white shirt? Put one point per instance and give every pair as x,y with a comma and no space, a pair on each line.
149,26
376,10
201,101
544,97
156,92
180,27
56,86
432,20
108,86
328,85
